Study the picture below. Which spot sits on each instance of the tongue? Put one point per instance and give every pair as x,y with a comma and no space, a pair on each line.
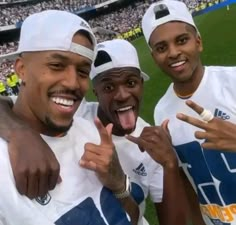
127,119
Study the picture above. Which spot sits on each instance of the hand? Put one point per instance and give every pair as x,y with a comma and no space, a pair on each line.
34,165
156,141
218,133
103,159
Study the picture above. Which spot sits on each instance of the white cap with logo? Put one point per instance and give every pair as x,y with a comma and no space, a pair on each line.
54,30
121,53
162,12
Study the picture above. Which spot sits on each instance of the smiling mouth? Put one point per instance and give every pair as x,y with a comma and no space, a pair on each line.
126,117
63,101
177,64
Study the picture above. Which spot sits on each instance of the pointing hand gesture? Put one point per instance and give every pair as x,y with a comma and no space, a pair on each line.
103,159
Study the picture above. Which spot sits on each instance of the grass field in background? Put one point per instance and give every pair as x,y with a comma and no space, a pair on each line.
218,32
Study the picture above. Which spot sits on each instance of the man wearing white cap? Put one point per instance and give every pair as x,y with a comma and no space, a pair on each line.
118,85
56,50
176,45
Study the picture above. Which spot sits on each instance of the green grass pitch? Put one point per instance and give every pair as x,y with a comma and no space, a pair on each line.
218,33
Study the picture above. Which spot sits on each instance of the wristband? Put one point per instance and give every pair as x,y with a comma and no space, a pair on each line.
125,193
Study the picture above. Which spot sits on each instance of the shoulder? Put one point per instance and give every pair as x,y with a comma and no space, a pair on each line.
141,123
164,105
223,72
84,128
87,110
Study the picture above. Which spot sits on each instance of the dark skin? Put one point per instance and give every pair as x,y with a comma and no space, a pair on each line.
126,90
40,166
176,49
45,164
113,93
159,143
100,158
115,86
220,134
156,141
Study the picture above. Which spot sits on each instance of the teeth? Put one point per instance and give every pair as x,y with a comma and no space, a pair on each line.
62,101
177,64
124,109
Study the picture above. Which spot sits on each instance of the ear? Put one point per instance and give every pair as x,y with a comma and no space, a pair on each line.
20,68
199,43
154,58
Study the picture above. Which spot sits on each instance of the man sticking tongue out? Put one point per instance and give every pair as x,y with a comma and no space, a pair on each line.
127,118
118,84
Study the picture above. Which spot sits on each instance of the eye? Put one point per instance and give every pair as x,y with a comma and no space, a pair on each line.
160,48
182,40
56,66
83,73
108,88
131,83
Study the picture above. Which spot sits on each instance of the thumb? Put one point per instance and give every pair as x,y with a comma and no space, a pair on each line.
109,128
164,126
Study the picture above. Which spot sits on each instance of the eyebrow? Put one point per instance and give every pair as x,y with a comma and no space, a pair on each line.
64,58
105,79
179,36
58,56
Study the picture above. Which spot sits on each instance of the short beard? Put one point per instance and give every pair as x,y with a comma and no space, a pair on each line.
56,128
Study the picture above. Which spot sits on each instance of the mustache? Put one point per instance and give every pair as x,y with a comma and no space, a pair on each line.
75,93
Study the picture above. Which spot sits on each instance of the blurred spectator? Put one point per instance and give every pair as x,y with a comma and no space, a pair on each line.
13,14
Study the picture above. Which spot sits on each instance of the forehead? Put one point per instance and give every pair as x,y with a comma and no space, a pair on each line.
170,29
117,74
44,57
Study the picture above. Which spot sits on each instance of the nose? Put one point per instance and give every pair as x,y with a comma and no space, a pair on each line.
71,79
121,94
174,51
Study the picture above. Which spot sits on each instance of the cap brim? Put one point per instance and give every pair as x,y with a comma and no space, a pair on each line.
145,76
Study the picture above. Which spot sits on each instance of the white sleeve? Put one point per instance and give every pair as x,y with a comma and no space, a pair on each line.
157,116
156,184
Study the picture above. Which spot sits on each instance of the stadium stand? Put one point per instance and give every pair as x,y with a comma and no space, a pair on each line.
109,19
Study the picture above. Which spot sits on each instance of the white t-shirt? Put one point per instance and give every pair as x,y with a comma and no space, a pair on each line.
211,172
80,199
145,174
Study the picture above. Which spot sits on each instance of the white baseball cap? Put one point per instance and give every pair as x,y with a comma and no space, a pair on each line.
54,30
165,11
121,54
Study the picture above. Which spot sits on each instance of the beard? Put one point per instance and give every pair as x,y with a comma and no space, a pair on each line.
54,128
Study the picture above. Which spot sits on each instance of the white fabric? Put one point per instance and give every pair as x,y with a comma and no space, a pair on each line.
145,174
53,30
178,11
78,199
115,49
212,172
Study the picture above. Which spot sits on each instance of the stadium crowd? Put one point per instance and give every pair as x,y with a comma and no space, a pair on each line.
13,14
123,23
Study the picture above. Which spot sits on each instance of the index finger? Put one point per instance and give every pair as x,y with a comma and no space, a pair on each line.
104,132
191,120
194,106
136,140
